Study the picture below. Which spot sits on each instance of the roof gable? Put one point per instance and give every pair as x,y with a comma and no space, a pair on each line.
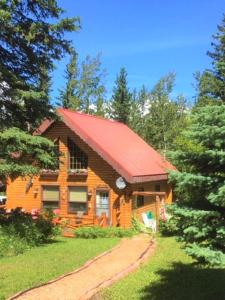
116,143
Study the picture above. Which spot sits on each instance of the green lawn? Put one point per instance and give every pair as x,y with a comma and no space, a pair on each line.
47,262
170,275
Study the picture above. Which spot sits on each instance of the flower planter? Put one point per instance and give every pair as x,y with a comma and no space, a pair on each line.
78,172
50,173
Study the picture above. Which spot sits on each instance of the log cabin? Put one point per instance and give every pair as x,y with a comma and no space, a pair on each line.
107,173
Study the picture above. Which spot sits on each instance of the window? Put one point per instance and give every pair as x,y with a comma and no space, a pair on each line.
78,160
77,199
140,199
50,197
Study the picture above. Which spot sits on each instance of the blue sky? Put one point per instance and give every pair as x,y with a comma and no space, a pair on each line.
148,37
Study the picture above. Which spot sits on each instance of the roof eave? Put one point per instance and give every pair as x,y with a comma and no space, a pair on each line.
45,125
149,178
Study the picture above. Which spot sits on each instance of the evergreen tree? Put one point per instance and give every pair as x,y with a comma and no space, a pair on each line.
166,117
91,88
200,156
143,97
121,99
31,38
200,185
23,154
139,109
100,107
69,97
211,83
84,89
135,114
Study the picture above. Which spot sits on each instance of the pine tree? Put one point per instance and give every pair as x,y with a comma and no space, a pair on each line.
100,107
200,157
121,99
91,86
31,38
23,154
200,185
85,90
211,83
139,109
69,97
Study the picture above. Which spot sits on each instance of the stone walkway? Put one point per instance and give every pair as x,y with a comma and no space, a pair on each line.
100,272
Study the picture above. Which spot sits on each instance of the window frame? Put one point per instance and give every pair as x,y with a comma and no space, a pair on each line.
42,194
85,156
68,199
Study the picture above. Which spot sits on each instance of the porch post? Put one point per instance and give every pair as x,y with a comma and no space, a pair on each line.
157,202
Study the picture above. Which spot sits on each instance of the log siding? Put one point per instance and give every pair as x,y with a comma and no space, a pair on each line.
100,176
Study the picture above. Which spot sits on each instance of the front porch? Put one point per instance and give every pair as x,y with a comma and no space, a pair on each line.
140,202
148,202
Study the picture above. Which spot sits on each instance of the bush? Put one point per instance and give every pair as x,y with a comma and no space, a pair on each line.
138,226
11,245
169,227
33,229
100,232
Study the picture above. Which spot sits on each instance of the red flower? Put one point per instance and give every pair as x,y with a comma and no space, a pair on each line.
34,212
56,211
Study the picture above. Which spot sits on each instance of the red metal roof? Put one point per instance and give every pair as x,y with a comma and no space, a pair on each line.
116,143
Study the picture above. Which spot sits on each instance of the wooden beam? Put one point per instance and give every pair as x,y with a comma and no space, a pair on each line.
139,193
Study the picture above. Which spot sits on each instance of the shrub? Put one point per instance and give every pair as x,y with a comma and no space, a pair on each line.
138,226
99,232
11,245
33,229
169,227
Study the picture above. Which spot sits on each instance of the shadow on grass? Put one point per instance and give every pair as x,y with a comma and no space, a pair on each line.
185,281
57,240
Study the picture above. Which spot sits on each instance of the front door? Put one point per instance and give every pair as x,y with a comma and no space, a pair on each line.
102,204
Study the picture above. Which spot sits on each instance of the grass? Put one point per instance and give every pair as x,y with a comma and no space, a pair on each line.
43,263
170,275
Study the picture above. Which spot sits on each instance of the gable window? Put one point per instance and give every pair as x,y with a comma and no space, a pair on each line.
50,196
77,197
78,160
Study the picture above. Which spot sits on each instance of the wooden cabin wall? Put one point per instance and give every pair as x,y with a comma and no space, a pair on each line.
100,175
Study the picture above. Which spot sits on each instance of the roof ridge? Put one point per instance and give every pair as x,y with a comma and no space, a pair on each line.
89,115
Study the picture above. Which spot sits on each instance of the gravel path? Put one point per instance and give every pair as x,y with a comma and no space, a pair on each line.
100,272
